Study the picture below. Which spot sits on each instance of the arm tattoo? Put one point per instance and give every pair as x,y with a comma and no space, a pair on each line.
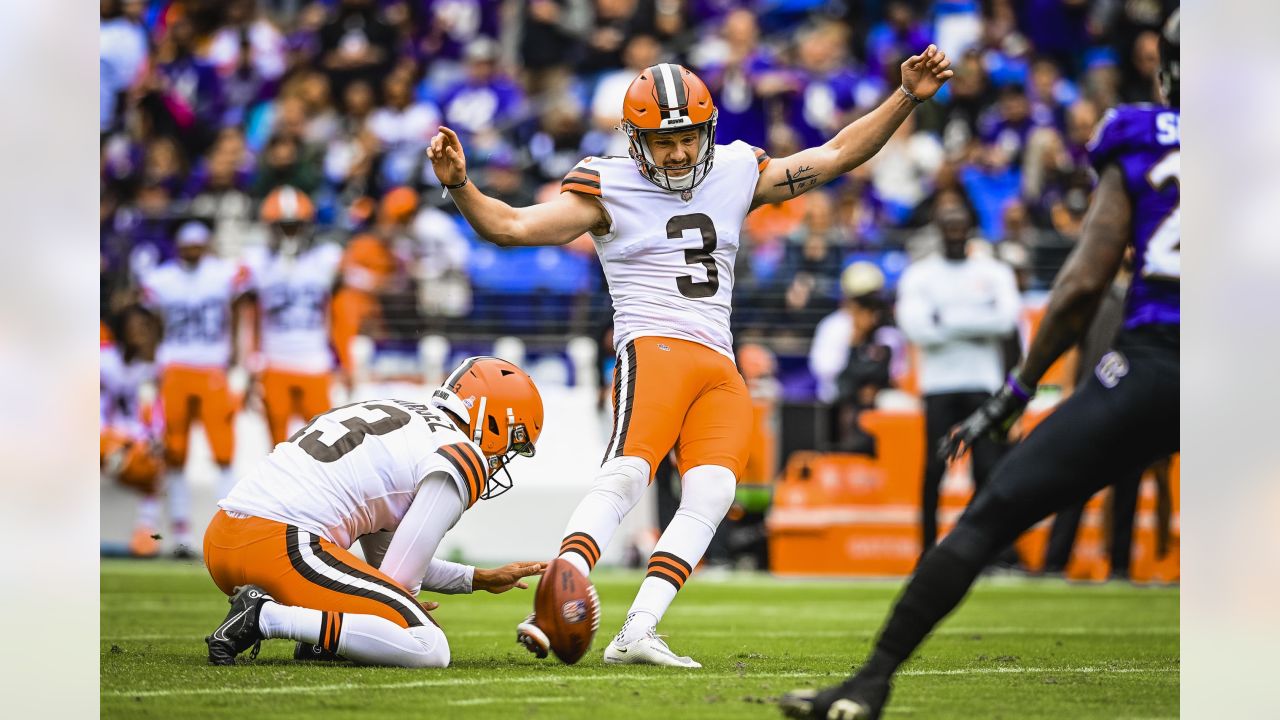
799,182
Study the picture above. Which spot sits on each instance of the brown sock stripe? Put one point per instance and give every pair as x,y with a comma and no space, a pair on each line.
582,548
665,573
668,565
688,569
587,542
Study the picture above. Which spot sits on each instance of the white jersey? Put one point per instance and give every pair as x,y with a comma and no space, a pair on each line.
127,394
355,470
669,262
195,304
958,314
293,295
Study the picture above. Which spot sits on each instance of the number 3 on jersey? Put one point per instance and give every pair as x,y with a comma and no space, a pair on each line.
357,429
1163,258
689,287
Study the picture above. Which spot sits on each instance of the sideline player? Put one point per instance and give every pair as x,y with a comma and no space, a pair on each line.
292,279
666,225
129,441
194,295
279,544
1123,419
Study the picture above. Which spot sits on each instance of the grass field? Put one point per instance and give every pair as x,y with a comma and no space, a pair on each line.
1017,649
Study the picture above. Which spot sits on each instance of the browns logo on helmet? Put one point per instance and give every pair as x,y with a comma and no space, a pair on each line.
668,98
501,409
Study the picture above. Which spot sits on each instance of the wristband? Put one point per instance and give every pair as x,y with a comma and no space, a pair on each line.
910,95
1020,391
447,188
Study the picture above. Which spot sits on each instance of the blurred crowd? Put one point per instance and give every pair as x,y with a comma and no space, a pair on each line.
209,105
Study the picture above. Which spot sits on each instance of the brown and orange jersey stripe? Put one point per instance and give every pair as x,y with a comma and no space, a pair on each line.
582,179
470,466
762,159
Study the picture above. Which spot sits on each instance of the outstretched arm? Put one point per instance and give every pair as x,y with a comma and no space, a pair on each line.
555,222
785,178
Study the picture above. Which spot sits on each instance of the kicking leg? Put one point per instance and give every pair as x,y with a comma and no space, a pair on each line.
708,493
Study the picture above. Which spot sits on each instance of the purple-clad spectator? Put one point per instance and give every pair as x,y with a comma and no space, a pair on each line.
1049,92
266,48
164,165
901,34
1008,123
1056,27
485,100
829,92
744,81
145,229
356,44
970,93
444,28
244,86
187,87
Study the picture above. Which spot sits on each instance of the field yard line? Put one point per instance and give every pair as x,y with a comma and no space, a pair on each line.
610,677
488,701
748,634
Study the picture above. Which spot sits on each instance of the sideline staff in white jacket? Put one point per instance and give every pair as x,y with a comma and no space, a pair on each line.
958,310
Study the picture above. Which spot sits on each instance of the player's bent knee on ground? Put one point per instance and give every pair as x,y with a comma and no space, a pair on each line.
708,493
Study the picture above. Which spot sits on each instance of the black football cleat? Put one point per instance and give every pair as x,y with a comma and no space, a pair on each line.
854,699
239,631
313,653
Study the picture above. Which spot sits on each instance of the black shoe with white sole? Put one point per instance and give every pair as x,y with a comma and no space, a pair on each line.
239,631
857,698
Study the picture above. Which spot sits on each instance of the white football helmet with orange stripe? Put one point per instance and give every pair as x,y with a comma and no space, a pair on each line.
669,98
501,409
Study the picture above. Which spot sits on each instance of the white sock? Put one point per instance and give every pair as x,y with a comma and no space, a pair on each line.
366,639
708,493
619,485
148,512
637,625
226,481
290,622
179,507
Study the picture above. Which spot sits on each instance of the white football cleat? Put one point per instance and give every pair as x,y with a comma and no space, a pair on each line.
532,638
649,649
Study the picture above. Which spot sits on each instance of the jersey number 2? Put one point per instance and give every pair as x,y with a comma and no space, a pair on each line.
1163,258
687,286
357,429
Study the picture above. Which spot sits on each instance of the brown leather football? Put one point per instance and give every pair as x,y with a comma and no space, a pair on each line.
567,610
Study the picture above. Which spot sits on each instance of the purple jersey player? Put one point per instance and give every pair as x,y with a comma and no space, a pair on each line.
1114,425
1143,140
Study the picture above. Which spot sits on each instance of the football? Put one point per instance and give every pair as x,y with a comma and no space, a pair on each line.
567,609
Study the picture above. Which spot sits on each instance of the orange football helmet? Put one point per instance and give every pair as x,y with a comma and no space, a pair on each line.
669,98
287,204
502,409
133,462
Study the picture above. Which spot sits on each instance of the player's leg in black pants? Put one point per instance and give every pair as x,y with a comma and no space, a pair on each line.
1093,439
941,411
1124,503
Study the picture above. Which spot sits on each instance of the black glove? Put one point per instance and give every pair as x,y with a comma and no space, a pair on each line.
995,417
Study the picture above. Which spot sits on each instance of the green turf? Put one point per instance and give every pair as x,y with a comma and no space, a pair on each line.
1017,649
